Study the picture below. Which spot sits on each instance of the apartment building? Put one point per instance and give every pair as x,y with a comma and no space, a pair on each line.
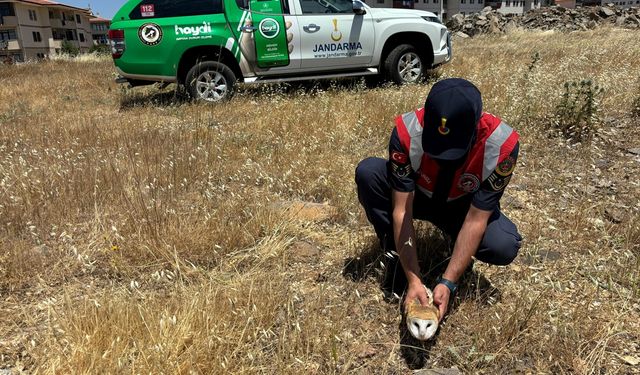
622,3
517,6
447,8
35,29
100,30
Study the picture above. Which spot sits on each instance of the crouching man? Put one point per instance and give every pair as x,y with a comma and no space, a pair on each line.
449,164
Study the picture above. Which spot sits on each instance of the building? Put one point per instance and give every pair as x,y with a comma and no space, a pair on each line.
622,3
519,6
447,8
100,30
35,29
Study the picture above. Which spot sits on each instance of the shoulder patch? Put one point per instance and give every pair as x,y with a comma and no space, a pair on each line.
506,167
400,171
399,157
497,182
469,183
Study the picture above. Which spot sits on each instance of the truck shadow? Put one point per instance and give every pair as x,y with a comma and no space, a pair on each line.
152,96
132,98
372,263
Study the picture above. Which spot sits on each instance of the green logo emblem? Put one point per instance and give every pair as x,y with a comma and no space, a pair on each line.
269,28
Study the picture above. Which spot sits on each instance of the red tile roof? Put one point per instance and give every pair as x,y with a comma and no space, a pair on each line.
51,3
98,19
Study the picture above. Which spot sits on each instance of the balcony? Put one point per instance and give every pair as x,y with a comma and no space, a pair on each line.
60,24
8,21
13,45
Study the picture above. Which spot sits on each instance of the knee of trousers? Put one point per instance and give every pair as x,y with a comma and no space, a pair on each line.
503,250
366,174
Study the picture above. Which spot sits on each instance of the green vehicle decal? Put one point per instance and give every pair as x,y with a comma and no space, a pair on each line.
155,45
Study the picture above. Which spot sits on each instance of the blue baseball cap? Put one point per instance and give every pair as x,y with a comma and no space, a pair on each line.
451,114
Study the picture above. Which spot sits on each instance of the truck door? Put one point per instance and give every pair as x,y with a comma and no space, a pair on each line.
333,36
265,34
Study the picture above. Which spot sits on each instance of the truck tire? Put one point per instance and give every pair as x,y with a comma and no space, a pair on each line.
210,81
404,65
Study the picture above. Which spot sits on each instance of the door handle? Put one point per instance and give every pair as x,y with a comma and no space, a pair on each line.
248,29
312,28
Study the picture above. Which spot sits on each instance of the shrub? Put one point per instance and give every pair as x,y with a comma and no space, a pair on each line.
100,49
576,115
69,49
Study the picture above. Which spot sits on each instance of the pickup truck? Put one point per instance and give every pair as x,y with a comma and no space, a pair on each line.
210,46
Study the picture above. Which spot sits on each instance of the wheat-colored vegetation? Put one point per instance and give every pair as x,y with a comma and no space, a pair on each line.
142,233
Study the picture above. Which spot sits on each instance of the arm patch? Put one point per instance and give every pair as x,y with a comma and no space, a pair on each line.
498,182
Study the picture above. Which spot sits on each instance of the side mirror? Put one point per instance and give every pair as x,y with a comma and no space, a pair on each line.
358,8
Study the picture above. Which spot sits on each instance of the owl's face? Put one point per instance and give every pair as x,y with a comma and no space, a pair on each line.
422,329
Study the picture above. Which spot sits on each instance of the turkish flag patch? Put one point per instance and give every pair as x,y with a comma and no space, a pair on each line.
399,157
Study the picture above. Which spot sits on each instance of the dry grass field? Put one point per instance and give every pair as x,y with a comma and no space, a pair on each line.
145,234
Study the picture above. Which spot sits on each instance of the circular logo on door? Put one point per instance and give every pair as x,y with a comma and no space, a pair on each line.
150,34
269,28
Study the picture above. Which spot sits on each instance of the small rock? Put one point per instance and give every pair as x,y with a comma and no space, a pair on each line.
602,163
614,215
606,12
303,250
620,21
439,371
366,351
634,150
460,34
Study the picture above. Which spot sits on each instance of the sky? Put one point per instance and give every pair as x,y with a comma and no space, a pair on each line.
106,8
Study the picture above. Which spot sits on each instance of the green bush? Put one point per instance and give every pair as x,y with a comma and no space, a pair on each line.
69,49
576,115
100,49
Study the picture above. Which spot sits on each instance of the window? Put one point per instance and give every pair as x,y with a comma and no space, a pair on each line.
71,35
36,36
471,1
58,34
82,37
40,55
463,1
178,8
8,35
326,6
33,16
78,19
6,9
380,1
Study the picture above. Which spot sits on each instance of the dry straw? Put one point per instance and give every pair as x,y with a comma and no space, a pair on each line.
145,234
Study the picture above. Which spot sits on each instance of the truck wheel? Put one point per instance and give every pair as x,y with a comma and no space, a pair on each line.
211,81
404,65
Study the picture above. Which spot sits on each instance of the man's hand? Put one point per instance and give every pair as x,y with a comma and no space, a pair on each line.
441,296
416,291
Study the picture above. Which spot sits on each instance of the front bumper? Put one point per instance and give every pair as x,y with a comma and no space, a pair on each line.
445,54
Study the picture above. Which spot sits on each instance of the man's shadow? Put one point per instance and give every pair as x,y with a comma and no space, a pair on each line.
434,251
